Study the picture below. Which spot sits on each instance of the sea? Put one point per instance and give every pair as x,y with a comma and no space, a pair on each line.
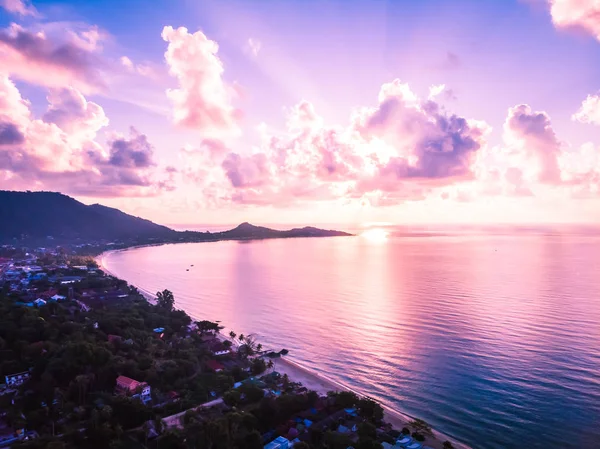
491,335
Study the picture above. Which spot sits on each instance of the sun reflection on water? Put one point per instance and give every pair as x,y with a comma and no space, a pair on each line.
375,234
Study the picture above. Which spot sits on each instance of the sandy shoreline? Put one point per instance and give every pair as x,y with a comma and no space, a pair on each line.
311,379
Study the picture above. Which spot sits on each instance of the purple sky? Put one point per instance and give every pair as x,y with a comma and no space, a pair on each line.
306,111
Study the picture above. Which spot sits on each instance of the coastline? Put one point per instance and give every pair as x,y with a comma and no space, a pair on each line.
309,378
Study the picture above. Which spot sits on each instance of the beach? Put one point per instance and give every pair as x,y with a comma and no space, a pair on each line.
311,379
322,384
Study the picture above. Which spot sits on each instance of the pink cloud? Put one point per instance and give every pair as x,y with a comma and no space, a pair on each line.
579,14
64,59
589,112
20,7
531,132
399,150
203,101
60,152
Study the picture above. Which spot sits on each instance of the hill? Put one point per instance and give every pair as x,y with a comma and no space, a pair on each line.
37,217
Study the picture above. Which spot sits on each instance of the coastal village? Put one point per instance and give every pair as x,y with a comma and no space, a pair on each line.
89,362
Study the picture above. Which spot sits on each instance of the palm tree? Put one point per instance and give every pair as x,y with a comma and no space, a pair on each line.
232,335
241,338
258,347
270,364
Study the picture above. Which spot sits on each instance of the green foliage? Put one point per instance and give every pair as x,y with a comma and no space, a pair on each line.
369,409
301,445
252,393
367,444
232,398
366,431
258,366
335,440
418,436
421,427
165,300
346,399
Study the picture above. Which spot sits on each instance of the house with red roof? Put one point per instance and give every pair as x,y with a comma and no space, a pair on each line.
215,366
128,386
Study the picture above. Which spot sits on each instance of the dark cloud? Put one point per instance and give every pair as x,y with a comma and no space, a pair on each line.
135,152
52,60
246,171
10,134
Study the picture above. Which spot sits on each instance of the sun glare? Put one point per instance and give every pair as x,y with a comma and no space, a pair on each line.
375,234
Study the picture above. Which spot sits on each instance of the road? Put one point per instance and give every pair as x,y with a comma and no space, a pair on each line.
175,420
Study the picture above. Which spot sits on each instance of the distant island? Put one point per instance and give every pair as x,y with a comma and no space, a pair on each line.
39,218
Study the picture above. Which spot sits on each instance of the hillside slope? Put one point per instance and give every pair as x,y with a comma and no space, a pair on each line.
38,215
41,217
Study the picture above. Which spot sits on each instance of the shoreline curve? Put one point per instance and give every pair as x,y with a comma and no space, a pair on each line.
310,378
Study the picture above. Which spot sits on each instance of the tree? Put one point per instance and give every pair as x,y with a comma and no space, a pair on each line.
367,444
346,399
369,409
420,426
270,364
165,299
204,326
301,445
366,431
258,366
232,335
254,441
448,445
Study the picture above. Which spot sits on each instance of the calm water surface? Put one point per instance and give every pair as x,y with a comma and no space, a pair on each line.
492,338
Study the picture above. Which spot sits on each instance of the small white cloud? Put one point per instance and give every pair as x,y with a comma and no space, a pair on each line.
253,46
126,62
589,112
435,90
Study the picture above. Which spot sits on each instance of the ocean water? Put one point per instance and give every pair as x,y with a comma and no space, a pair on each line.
491,336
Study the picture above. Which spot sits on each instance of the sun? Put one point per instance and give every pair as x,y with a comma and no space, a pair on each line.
375,234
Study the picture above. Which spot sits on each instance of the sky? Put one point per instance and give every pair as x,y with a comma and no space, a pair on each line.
304,111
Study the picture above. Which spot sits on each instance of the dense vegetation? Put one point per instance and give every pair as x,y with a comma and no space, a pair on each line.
70,402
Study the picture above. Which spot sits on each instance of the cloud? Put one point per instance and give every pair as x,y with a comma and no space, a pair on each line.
428,143
531,132
10,134
59,151
451,61
397,151
145,69
589,112
135,152
20,7
577,14
72,113
253,46
63,59
203,101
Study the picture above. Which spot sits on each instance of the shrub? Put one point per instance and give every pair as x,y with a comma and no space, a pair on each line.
405,431
448,445
421,427
417,436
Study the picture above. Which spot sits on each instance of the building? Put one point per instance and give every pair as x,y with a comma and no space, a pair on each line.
39,302
218,348
215,366
114,338
128,386
15,380
278,443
